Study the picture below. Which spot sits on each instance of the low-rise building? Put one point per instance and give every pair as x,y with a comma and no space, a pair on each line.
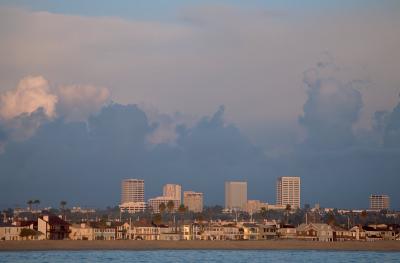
287,232
154,203
133,207
267,231
341,234
53,227
143,231
315,232
103,231
14,232
81,231
250,231
379,232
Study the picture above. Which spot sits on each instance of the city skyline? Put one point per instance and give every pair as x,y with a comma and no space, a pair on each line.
199,94
287,190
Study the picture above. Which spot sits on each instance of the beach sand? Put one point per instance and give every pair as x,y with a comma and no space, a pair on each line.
198,245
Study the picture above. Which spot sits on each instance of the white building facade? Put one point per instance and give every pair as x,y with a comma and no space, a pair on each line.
132,196
288,191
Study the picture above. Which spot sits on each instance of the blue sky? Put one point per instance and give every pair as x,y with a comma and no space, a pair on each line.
167,10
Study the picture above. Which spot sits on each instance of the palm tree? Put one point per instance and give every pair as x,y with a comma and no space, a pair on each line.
288,208
170,206
37,202
157,219
62,206
331,219
182,210
162,208
30,202
364,216
263,212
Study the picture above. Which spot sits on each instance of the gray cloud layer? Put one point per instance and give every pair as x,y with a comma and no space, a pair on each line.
64,144
246,59
84,162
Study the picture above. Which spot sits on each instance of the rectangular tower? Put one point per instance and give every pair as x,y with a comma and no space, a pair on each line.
132,190
288,191
379,202
235,195
193,201
173,191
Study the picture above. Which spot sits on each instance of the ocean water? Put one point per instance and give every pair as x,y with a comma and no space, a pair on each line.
231,256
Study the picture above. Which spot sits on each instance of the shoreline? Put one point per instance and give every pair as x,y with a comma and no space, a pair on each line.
79,245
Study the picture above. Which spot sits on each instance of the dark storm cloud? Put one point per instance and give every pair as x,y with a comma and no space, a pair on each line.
331,109
84,162
391,137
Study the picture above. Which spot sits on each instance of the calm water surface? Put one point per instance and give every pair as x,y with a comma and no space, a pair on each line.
199,256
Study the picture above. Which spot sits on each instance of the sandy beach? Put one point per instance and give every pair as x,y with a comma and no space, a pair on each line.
206,245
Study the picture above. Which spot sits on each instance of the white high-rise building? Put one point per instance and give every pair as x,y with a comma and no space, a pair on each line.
193,201
132,196
132,190
379,202
173,191
288,191
235,195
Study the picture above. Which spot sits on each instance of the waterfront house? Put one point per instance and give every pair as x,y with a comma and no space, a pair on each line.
103,231
143,231
315,232
53,227
81,231
267,231
286,232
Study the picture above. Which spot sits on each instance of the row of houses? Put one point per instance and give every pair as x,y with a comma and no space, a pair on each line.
54,228
231,231
45,227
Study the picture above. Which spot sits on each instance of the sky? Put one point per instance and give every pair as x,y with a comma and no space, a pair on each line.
196,93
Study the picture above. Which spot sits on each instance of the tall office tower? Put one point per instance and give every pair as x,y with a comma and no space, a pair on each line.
379,202
288,191
132,190
193,201
236,195
173,191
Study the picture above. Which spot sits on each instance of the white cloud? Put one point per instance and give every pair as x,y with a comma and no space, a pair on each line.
250,61
31,93
78,102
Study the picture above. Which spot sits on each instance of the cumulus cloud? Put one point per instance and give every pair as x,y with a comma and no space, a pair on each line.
391,136
331,109
32,103
31,93
192,63
166,126
24,108
78,102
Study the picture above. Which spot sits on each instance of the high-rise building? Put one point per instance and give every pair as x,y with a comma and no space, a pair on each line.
173,191
288,191
132,190
235,195
379,202
193,201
